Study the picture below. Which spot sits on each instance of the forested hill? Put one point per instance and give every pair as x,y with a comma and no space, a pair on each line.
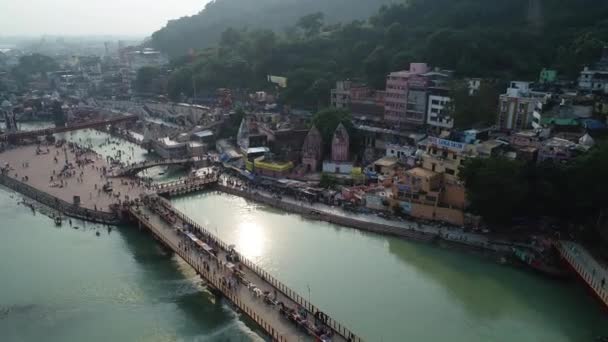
511,39
204,29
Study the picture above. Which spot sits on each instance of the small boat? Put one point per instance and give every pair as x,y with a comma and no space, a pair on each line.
58,220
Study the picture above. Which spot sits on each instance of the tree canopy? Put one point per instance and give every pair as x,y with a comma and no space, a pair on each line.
502,190
475,38
30,65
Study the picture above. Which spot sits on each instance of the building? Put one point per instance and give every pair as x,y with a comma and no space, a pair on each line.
345,91
517,106
339,162
438,112
595,78
146,57
340,144
446,156
474,85
557,150
363,102
170,149
547,76
312,150
405,101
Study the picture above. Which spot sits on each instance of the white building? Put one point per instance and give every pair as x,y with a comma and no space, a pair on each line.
595,79
146,57
437,115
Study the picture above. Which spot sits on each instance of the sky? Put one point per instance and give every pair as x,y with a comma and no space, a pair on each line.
91,17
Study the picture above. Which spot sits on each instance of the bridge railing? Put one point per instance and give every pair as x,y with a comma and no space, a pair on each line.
336,326
582,268
82,125
214,281
182,184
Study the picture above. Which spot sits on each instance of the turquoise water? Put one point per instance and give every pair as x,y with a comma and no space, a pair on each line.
388,289
63,284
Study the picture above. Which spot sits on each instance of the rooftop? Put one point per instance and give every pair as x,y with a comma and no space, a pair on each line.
420,172
386,161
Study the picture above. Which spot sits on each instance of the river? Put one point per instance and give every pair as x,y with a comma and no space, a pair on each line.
63,284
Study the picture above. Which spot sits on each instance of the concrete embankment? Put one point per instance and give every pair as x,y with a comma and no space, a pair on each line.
487,249
60,205
324,216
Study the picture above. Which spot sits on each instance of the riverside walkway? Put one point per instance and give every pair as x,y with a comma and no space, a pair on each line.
591,271
280,312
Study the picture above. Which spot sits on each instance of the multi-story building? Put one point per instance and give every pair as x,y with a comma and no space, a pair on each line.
437,112
446,157
517,106
146,57
405,101
595,79
362,101
346,91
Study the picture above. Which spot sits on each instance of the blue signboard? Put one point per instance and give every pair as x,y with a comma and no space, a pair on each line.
449,144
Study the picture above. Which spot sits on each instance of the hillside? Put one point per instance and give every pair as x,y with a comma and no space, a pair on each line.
204,29
505,40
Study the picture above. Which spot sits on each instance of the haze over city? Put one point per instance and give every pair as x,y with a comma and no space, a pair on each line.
90,17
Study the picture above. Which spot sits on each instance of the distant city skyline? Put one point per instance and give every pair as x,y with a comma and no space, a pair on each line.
77,17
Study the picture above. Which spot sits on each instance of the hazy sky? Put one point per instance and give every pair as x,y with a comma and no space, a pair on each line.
91,17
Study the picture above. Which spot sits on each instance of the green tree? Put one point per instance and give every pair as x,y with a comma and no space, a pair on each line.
474,110
311,23
496,188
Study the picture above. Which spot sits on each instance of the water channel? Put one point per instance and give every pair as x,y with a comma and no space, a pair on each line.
65,284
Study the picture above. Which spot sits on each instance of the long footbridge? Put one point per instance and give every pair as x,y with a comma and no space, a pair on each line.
283,314
588,268
17,136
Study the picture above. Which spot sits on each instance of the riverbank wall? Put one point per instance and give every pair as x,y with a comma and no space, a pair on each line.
60,205
486,249
327,217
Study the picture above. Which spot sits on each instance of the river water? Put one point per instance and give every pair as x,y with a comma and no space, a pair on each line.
65,284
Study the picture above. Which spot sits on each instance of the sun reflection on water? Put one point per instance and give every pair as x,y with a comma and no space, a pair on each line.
250,239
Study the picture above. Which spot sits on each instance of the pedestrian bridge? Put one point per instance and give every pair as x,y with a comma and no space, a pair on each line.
135,168
283,314
184,186
588,268
17,136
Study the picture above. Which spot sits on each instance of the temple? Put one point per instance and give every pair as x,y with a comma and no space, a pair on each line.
312,150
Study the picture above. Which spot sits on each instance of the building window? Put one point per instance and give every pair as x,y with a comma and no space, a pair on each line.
450,171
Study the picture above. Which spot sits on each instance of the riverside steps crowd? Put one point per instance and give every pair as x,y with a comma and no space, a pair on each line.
72,172
225,267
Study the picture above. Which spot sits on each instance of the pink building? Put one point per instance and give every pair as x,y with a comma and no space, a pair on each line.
312,150
405,93
339,144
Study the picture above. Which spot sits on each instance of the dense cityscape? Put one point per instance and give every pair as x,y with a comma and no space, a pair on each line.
504,165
